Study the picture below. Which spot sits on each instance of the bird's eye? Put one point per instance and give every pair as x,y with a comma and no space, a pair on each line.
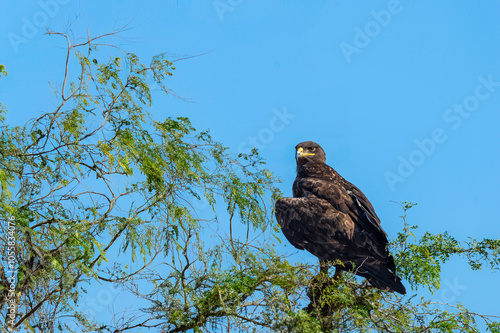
312,148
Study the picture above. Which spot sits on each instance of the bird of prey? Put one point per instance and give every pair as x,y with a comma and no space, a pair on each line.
331,218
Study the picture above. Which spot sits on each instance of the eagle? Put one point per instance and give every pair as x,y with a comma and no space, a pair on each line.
332,219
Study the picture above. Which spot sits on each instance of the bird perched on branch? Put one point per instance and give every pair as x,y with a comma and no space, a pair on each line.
331,218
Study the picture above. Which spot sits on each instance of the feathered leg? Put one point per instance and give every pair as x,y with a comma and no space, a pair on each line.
338,273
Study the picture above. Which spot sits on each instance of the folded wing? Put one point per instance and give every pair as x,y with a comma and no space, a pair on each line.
314,224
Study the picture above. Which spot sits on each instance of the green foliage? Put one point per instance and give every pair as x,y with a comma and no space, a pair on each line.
419,259
99,174
103,193
2,70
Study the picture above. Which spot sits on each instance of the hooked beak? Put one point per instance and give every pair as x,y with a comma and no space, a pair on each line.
300,153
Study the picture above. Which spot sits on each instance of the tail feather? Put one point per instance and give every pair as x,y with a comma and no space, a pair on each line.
380,277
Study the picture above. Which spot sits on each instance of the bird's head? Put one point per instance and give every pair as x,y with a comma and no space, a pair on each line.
309,151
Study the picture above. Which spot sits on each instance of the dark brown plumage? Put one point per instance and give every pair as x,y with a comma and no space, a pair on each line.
332,219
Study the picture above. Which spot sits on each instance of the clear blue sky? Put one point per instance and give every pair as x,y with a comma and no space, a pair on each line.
404,96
